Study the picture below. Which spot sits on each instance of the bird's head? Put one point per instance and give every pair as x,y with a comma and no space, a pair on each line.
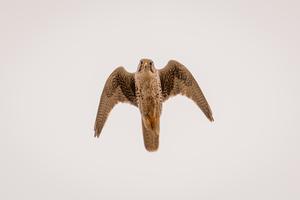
146,65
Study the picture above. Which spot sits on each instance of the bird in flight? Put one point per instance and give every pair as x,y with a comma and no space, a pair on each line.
147,89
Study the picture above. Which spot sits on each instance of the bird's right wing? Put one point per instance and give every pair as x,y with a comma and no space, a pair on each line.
119,87
176,79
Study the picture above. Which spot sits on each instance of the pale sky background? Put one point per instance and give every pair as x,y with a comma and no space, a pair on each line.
56,55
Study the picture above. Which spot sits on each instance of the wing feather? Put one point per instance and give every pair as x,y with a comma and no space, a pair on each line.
119,87
176,79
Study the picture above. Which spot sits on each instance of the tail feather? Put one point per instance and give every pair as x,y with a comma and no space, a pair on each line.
151,136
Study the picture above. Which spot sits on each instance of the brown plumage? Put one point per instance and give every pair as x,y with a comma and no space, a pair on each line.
147,89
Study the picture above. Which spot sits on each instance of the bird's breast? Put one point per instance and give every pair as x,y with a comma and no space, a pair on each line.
148,94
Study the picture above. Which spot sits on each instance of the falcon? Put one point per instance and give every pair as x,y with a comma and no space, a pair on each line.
147,89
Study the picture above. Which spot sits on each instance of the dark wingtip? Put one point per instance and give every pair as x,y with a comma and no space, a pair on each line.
209,117
96,134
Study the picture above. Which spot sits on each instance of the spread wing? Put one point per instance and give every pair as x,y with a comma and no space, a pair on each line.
176,79
119,87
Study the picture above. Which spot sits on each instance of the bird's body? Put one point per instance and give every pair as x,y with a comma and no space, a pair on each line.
148,93
147,89
149,99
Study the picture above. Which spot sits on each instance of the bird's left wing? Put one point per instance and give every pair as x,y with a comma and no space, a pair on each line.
176,79
119,87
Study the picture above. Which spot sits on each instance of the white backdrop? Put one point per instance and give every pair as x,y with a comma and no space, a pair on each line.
56,55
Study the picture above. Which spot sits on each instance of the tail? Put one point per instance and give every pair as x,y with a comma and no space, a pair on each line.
151,133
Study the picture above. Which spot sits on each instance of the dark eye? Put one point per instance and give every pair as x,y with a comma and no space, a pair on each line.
150,63
141,62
